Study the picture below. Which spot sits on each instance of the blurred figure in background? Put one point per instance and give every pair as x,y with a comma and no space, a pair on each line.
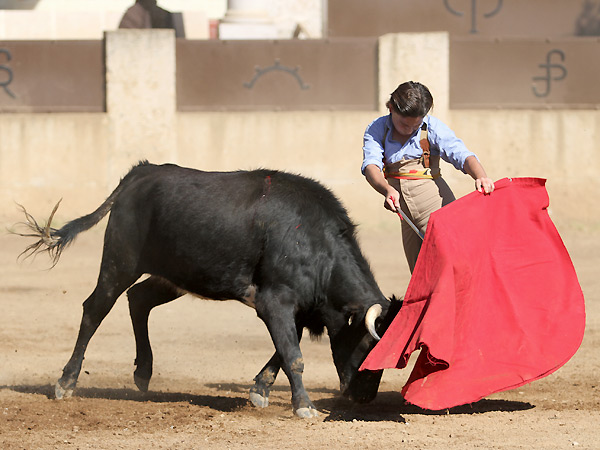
146,14
588,22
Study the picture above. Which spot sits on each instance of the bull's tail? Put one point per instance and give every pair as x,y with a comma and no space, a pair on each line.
53,240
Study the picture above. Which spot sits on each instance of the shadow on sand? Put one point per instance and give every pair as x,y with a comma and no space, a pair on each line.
391,406
388,406
216,402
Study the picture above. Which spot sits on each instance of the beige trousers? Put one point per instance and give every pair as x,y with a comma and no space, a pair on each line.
418,199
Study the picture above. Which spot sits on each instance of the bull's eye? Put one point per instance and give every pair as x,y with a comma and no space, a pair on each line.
350,320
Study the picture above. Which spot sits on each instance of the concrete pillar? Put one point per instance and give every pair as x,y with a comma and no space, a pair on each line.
140,98
422,57
247,19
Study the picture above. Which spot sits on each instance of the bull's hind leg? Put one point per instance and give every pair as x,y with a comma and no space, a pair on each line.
95,309
142,298
117,273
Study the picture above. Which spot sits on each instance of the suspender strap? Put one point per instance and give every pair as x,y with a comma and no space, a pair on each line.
424,142
387,130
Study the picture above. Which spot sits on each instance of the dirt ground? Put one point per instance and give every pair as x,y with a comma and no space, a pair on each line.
207,353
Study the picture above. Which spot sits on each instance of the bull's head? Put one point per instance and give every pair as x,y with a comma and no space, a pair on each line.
352,343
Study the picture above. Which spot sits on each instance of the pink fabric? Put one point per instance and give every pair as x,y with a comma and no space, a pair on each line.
493,303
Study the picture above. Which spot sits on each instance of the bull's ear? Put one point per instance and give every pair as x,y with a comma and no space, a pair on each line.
352,313
353,317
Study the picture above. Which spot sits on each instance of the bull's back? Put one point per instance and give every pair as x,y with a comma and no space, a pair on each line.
216,233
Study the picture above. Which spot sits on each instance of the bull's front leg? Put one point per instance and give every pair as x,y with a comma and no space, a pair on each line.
278,315
259,393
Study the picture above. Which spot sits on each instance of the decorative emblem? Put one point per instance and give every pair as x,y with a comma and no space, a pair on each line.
550,76
8,70
276,67
474,12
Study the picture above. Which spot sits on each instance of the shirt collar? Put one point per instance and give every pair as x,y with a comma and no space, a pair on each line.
389,126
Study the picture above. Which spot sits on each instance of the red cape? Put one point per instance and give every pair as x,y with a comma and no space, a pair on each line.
493,303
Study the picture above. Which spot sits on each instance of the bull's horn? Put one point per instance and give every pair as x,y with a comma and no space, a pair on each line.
372,314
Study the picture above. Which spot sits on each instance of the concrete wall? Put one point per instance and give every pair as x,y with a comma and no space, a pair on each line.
81,24
88,19
491,18
80,157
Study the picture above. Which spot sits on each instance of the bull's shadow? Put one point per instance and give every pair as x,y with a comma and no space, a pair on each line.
216,402
388,406
245,388
391,406
222,403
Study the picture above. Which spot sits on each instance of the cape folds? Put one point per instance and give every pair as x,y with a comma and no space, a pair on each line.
493,303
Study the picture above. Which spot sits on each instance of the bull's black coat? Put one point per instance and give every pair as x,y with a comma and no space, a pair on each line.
278,242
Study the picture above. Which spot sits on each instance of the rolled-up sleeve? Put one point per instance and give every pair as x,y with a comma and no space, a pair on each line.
451,149
373,143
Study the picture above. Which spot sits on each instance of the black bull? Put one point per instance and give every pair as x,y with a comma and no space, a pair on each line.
280,243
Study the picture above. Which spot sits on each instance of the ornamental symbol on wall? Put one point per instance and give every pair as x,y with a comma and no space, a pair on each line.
560,72
9,74
277,67
474,12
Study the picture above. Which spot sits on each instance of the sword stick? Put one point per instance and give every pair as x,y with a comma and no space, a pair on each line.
408,221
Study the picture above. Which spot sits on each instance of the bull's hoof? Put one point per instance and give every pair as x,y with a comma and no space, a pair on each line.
307,413
62,393
258,400
259,395
141,383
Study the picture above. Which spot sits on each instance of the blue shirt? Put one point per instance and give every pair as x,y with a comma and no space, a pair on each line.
442,141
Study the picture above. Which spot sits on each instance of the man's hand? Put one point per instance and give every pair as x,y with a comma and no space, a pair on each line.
485,185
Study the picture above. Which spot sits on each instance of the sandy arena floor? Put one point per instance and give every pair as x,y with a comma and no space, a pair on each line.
206,354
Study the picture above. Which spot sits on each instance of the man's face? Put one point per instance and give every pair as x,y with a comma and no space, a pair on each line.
406,126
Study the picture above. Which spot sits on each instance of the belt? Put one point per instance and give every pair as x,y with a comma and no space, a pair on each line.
414,174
